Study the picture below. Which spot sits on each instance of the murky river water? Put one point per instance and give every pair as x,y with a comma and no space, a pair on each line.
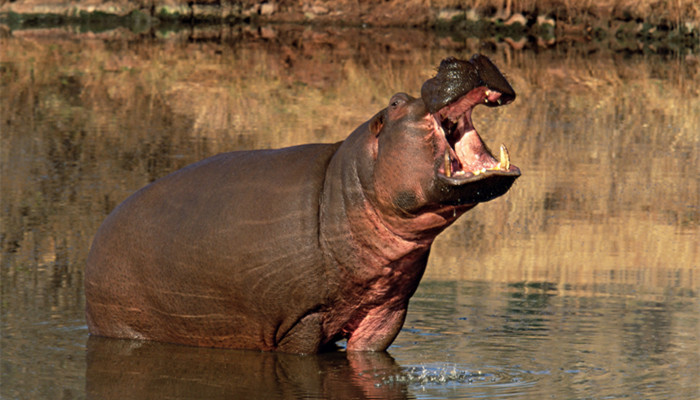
581,282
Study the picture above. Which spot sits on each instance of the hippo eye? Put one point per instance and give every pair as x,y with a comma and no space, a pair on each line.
398,99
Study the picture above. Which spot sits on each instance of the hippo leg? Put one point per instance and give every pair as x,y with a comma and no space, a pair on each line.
304,337
377,330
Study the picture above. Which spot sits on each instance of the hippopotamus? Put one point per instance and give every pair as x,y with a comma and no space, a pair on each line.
295,249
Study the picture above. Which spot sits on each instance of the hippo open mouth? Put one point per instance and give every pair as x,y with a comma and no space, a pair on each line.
468,172
467,158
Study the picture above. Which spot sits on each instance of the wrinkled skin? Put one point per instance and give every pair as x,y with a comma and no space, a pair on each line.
297,248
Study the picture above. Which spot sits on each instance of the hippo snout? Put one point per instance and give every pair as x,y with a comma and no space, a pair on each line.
455,78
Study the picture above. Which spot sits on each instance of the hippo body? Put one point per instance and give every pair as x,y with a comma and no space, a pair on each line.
293,249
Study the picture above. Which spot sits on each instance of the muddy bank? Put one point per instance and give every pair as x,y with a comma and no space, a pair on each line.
644,26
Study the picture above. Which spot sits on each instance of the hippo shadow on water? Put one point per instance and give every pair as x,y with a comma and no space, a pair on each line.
134,369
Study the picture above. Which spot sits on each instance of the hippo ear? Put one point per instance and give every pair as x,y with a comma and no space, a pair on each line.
376,124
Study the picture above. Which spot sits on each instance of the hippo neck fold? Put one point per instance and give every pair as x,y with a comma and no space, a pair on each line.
352,227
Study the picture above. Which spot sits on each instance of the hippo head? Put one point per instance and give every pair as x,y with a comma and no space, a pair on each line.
428,153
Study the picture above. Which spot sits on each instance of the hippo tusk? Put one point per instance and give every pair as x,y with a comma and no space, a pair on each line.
504,159
448,164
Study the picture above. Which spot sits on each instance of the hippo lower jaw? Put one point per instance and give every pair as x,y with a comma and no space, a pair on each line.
468,173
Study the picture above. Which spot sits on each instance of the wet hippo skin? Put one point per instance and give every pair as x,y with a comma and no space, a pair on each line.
296,248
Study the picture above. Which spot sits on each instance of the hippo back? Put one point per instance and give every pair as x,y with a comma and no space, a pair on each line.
189,258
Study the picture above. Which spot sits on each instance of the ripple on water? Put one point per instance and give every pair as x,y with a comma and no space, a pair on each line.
453,377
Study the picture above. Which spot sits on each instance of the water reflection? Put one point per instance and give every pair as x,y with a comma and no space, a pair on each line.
528,309
118,369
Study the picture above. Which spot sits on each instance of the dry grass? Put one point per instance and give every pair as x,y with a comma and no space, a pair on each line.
607,145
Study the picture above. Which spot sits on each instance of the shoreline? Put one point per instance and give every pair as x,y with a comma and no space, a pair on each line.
611,28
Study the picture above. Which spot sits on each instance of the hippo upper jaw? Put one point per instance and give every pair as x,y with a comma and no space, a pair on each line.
467,172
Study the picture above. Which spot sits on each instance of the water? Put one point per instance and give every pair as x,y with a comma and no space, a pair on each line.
462,339
581,282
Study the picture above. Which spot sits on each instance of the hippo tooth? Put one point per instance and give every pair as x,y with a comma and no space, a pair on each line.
448,164
504,162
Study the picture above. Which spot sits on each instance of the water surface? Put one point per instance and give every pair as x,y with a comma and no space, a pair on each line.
581,282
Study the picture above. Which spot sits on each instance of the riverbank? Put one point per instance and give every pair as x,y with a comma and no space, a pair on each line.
638,26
